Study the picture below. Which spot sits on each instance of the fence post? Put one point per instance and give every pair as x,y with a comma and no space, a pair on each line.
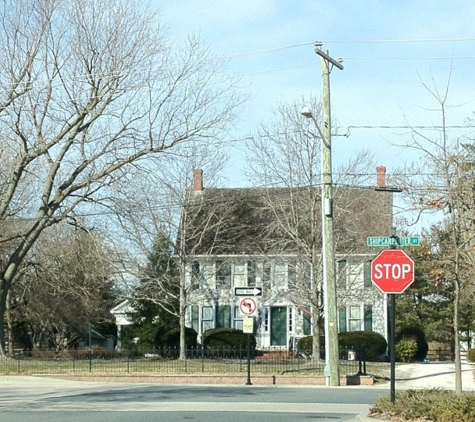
360,359
364,361
186,358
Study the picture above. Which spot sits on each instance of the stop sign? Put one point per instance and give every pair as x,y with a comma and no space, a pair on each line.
392,271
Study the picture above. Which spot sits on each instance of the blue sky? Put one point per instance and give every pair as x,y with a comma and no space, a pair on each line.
389,50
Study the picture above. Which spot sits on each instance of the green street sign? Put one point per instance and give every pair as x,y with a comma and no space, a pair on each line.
382,241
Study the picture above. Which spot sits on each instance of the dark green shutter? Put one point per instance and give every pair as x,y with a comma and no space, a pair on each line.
195,314
367,274
342,319
223,316
307,325
368,318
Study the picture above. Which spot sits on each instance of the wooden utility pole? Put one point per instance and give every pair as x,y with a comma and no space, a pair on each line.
332,363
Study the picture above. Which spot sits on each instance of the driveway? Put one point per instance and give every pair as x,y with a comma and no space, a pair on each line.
433,375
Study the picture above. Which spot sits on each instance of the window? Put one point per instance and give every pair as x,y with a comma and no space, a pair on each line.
292,274
354,320
239,276
341,268
206,318
266,319
280,272
237,318
223,274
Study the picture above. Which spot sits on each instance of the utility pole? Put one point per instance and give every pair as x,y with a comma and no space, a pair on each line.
332,361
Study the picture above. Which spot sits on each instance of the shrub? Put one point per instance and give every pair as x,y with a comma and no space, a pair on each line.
227,338
430,405
471,355
406,350
373,344
419,337
171,338
306,342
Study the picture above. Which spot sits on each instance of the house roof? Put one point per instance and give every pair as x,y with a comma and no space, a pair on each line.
230,221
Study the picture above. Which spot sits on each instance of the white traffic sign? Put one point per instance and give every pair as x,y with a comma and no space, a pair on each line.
248,306
248,291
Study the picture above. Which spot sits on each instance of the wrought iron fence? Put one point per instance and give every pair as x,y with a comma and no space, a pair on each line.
167,361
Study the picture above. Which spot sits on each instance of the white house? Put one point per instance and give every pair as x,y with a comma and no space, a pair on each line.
262,240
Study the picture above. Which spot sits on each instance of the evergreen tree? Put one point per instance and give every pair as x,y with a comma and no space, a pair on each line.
156,301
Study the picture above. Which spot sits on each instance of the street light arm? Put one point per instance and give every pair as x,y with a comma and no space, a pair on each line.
309,115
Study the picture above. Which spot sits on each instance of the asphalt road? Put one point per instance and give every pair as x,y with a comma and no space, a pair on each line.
57,400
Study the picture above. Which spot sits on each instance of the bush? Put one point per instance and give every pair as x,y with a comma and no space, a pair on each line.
406,350
373,344
230,338
471,355
306,342
419,337
431,405
171,338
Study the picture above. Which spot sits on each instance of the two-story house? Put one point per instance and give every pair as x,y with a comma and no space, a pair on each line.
270,239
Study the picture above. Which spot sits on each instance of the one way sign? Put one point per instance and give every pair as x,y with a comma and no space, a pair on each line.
248,291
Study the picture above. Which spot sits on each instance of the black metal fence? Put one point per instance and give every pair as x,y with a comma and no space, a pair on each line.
167,362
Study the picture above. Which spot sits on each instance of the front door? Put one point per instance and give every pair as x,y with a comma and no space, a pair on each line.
278,326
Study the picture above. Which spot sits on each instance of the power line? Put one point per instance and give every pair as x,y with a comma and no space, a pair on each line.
399,41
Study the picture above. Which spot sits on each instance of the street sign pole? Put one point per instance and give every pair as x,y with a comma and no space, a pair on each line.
392,344
248,382
393,272
248,327
392,347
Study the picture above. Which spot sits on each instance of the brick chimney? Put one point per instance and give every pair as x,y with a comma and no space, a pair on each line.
381,177
198,180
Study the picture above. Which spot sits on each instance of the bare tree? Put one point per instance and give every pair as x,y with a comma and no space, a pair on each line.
442,183
286,154
67,287
89,90
161,204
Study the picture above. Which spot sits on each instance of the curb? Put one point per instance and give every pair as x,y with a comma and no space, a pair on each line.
365,418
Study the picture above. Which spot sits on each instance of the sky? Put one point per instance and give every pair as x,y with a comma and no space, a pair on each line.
390,50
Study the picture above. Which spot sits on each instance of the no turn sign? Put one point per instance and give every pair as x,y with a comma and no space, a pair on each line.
248,306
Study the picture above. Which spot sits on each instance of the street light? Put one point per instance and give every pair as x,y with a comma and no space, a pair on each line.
331,371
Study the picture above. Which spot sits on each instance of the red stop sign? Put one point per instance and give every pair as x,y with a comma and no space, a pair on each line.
392,271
